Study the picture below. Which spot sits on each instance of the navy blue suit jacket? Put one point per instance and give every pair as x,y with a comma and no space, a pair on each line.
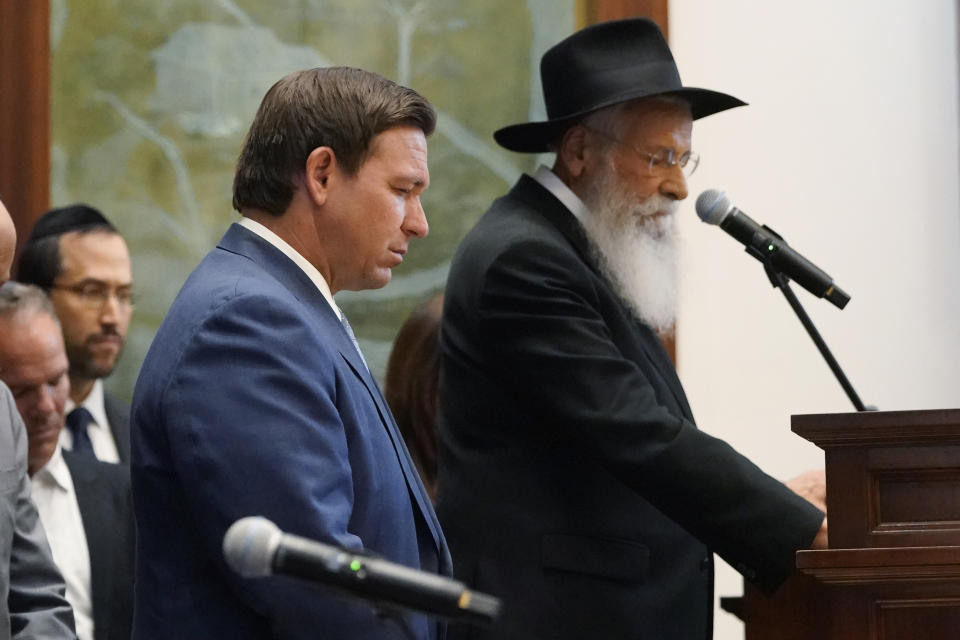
253,401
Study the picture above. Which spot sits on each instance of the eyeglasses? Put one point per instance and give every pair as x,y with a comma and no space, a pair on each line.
661,160
94,294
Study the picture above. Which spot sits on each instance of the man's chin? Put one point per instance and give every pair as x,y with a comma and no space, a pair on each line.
42,443
377,280
94,369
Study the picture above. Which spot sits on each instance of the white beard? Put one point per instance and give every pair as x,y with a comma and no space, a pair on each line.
637,250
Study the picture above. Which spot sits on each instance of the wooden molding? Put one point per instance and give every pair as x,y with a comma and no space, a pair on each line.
25,110
601,10
879,566
940,426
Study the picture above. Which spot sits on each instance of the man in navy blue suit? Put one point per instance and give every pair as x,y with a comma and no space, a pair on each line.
254,398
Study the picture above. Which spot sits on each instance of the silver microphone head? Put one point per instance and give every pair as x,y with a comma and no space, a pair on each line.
250,545
713,205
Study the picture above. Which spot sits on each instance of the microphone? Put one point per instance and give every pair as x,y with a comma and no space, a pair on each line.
255,547
764,244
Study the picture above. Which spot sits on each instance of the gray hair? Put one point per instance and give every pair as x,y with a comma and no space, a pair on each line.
17,298
608,119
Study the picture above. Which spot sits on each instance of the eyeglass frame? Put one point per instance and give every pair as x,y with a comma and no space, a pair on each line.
656,162
95,293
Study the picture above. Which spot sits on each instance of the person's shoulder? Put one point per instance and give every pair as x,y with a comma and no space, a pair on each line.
223,276
11,430
118,474
231,291
6,397
114,406
511,227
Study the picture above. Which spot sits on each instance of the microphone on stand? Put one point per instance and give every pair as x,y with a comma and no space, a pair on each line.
255,547
763,243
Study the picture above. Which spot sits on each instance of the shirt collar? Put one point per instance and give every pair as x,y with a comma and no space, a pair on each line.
55,473
311,271
552,183
94,404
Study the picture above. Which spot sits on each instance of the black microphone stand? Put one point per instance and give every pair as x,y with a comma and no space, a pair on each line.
780,281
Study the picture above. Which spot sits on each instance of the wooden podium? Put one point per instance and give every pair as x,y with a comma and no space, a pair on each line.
893,567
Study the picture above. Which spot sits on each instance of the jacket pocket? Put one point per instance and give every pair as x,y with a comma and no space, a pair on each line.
611,558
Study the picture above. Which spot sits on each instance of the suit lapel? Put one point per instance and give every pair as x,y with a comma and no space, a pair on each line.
97,515
409,470
244,242
544,203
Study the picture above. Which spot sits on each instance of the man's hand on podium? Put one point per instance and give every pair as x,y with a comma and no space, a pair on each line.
812,486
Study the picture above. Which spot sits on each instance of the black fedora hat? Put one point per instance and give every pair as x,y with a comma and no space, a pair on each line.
603,65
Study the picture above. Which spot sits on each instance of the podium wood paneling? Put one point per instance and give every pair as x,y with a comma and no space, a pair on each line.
893,568
894,477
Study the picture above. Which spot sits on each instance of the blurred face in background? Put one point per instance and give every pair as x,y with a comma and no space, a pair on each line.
93,299
8,243
33,364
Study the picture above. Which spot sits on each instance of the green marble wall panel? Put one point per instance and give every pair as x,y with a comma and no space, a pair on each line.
151,99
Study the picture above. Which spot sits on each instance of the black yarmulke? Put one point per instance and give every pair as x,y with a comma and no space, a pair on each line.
76,217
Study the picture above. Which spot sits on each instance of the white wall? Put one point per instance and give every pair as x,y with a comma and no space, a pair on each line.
850,151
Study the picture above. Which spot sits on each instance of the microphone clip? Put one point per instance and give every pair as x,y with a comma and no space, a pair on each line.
764,247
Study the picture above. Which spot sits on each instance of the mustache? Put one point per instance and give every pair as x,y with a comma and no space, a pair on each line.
657,204
106,332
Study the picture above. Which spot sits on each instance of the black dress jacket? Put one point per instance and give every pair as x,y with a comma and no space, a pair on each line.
573,482
106,510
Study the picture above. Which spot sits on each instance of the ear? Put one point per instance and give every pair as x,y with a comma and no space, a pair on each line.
321,168
571,152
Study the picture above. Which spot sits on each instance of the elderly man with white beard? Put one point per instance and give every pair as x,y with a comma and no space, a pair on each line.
573,481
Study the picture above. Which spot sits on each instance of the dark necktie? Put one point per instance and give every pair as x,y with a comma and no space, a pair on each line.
77,422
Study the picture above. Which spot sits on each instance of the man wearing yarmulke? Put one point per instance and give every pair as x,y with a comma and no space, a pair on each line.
573,480
80,259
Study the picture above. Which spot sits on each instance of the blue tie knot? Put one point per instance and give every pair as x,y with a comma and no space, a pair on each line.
77,422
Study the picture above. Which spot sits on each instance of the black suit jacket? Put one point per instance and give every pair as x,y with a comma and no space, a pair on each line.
573,481
106,509
118,415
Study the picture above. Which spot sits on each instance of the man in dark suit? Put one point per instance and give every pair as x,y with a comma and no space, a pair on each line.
254,398
574,483
32,604
106,508
77,256
84,504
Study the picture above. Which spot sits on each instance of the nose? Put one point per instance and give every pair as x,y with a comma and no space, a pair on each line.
674,184
415,222
110,310
44,404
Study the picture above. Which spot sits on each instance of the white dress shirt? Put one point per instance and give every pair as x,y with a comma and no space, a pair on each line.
104,447
549,181
52,491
